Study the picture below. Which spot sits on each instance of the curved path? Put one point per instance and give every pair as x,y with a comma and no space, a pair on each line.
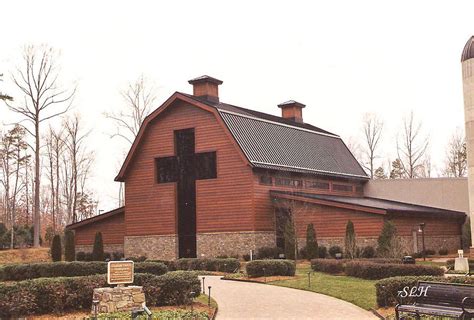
244,300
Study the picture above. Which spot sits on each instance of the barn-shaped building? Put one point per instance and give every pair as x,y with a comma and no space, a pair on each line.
206,178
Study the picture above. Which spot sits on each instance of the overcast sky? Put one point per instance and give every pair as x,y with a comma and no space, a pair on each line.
340,58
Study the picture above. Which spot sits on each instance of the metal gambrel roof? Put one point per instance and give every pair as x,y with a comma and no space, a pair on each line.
274,145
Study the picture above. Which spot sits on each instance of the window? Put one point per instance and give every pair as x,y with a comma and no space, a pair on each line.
167,169
289,182
318,185
206,166
266,180
342,187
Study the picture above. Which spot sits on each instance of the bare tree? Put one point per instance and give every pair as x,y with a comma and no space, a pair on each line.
138,98
456,156
37,79
411,150
372,128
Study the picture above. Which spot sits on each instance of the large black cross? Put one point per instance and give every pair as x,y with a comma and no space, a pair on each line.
185,168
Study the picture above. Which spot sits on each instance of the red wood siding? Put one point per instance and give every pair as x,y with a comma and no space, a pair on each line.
264,214
331,222
222,204
433,226
112,229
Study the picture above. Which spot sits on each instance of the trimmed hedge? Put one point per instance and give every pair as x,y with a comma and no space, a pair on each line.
19,272
272,268
229,265
367,270
387,289
59,295
328,265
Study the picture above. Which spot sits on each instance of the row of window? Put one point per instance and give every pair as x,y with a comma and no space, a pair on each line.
298,183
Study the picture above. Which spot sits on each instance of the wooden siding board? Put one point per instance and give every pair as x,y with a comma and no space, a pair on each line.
112,229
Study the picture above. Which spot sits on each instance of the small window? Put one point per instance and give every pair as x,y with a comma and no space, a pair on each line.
206,165
167,169
266,180
342,187
318,185
289,182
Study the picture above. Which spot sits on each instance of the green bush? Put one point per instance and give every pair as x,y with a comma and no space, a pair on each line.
322,252
81,256
268,252
260,268
333,250
137,259
328,265
19,272
98,249
222,265
56,250
69,246
443,252
387,289
368,252
350,245
311,249
59,295
368,270
388,241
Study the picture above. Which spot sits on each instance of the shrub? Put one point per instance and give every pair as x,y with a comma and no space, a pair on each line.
88,256
303,253
246,257
368,252
81,256
137,259
19,272
117,255
388,242
69,246
223,265
387,289
98,249
328,265
443,252
59,295
311,243
333,250
107,256
368,270
350,245
268,252
322,252
56,248
290,241
430,252
260,268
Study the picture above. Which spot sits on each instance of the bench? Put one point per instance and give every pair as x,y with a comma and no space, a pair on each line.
440,299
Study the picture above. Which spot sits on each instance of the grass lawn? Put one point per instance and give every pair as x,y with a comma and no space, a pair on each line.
357,291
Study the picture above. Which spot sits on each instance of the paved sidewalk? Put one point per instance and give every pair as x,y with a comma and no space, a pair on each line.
243,300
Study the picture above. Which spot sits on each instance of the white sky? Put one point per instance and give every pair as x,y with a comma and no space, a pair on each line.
341,58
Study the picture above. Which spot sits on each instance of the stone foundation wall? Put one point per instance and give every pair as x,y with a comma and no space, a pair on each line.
232,243
107,248
152,247
118,299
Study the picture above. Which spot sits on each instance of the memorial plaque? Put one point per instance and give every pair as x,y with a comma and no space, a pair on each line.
120,272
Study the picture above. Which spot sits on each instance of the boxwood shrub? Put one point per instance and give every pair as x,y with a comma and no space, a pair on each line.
328,265
59,295
367,270
260,268
387,289
19,272
228,265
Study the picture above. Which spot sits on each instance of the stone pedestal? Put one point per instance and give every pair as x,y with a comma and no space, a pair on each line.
118,299
461,264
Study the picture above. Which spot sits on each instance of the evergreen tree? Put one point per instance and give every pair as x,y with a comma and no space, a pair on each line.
290,241
380,173
388,242
350,241
311,242
69,246
56,250
397,170
98,250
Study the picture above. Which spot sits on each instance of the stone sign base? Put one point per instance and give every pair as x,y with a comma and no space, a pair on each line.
118,299
461,264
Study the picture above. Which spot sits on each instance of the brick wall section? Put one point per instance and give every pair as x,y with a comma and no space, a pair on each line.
152,247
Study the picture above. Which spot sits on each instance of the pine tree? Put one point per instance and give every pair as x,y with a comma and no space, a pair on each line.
380,173
311,242
388,243
56,248
98,250
350,241
290,241
69,246
397,170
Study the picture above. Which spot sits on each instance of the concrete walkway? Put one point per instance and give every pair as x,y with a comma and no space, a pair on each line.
243,300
